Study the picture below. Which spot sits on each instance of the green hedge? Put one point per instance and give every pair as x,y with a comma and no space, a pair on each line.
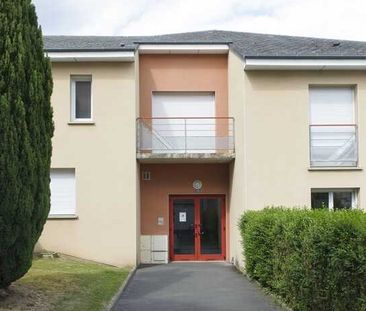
314,260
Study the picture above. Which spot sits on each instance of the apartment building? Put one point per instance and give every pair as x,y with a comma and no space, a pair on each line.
162,142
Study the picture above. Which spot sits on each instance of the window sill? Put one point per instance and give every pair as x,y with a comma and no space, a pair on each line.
81,123
345,168
61,217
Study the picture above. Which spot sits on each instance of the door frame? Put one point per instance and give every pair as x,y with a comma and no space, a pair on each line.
197,255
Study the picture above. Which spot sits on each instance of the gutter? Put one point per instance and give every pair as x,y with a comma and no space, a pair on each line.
91,56
304,63
186,48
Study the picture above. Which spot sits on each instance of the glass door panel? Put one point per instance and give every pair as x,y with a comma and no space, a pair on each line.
210,227
184,226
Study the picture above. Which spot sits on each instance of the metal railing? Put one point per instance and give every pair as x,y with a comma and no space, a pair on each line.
185,135
333,145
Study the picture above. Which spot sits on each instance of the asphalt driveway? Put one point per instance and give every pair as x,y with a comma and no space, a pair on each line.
192,286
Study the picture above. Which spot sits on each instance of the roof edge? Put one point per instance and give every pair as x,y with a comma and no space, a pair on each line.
89,56
183,42
304,64
305,57
90,50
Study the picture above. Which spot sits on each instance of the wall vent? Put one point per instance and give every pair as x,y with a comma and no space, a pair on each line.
146,175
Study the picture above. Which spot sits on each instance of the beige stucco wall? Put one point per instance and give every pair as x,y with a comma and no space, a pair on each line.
138,201
276,140
104,159
237,168
271,111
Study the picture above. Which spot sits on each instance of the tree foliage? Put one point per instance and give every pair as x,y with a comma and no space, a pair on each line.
26,129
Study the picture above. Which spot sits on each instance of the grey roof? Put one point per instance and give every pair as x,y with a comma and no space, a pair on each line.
86,43
246,45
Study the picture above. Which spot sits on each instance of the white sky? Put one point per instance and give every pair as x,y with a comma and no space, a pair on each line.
316,18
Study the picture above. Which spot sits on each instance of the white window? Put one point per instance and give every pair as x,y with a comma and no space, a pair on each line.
184,122
62,192
334,199
81,99
333,132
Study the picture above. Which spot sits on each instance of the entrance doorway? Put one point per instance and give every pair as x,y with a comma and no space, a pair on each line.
197,227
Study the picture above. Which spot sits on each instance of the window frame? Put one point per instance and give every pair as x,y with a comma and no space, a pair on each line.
331,191
73,80
353,87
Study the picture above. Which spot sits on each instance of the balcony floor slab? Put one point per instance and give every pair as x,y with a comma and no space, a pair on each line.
185,157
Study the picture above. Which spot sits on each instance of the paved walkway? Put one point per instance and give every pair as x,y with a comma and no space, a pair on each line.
190,287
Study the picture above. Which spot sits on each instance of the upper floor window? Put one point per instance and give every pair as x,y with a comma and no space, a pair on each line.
81,98
183,122
333,130
333,199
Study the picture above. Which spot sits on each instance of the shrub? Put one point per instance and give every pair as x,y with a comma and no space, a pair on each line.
25,137
314,260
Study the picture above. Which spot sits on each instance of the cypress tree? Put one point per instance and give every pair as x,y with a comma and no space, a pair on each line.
26,130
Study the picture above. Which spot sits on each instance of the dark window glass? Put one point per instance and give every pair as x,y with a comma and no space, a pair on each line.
342,200
210,231
184,220
319,200
83,99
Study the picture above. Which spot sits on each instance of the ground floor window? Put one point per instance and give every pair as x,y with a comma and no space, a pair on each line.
62,188
334,199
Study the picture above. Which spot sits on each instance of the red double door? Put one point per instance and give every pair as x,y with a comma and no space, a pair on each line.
197,227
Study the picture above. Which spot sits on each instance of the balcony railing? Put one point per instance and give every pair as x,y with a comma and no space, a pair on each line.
333,145
185,136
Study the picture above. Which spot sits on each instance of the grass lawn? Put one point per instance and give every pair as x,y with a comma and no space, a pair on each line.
64,284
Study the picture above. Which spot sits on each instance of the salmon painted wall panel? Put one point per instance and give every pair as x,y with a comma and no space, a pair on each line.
183,73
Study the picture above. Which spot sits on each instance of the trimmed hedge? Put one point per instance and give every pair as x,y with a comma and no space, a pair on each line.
314,260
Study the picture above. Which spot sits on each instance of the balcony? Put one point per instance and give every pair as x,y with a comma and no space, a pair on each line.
333,145
182,139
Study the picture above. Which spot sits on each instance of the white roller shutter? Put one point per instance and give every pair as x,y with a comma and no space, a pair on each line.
332,130
183,104
331,105
62,192
187,123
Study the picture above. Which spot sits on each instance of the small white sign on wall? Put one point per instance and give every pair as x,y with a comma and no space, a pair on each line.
182,216
160,221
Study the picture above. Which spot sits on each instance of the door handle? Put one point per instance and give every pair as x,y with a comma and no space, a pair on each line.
197,230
